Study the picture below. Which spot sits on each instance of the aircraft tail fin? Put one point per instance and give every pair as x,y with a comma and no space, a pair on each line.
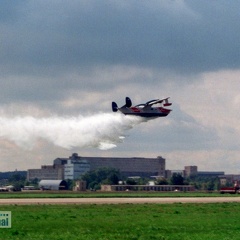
114,107
127,105
128,102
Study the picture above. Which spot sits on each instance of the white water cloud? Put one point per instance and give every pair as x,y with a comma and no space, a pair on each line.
101,131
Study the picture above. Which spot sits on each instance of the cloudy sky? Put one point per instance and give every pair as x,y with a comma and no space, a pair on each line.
64,62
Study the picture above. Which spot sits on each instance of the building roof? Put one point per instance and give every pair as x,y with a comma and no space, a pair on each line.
52,183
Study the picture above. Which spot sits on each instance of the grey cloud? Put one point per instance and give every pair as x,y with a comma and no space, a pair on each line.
51,49
186,37
9,11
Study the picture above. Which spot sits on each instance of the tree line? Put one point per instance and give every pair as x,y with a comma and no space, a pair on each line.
111,176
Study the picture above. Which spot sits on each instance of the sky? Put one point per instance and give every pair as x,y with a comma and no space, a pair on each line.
62,63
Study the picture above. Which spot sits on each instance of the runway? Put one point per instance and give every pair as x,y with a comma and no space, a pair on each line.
167,200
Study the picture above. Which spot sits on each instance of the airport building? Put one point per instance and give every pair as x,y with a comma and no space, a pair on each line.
74,169
53,185
157,188
46,172
75,166
142,167
210,173
190,171
229,179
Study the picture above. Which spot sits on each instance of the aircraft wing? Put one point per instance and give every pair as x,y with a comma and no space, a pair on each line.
155,101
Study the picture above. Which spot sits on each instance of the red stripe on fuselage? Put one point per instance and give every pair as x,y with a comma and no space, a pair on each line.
134,109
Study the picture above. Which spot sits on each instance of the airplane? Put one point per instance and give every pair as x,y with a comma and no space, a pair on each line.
144,110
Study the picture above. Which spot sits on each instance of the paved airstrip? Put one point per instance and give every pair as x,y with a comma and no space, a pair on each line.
27,201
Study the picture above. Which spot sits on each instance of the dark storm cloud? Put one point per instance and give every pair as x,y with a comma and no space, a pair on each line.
187,36
51,46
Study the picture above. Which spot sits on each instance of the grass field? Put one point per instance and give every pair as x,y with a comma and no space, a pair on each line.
71,194
124,222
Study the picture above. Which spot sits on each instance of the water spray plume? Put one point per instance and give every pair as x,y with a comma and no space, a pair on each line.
103,130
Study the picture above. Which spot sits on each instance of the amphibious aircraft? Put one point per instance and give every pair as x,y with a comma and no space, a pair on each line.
145,109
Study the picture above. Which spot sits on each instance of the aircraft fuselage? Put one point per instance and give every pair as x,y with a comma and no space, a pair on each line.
152,112
144,110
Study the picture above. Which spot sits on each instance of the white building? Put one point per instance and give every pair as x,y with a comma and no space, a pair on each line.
53,185
75,169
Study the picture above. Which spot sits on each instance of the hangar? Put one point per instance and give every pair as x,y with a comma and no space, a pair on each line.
53,185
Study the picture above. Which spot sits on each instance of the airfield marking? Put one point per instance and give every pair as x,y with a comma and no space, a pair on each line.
27,201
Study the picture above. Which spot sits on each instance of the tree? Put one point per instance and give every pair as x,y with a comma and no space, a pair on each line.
131,181
70,183
96,177
113,178
35,182
16,178
210,185
18,181
162,181
204,182
177,179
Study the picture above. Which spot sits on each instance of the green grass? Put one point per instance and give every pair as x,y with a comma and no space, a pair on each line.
70,194
124,222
